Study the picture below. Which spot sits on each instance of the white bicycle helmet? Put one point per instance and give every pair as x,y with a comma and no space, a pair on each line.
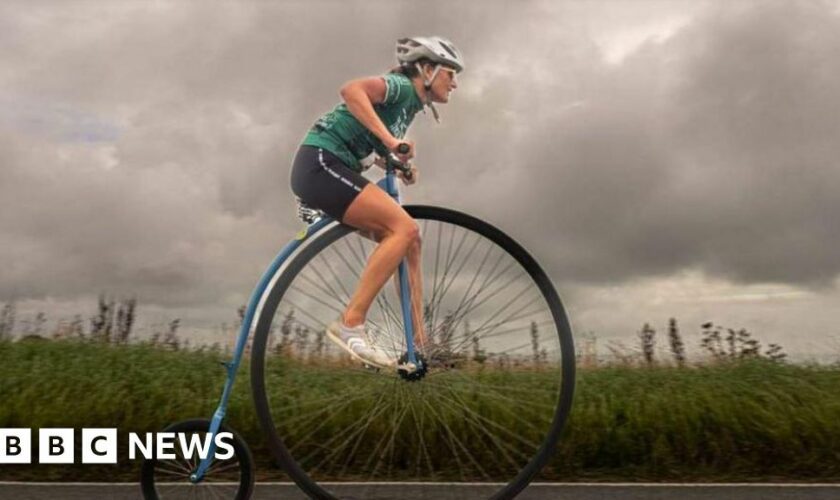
438,50
434,48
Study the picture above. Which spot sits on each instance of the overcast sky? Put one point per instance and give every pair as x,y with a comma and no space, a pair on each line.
660,158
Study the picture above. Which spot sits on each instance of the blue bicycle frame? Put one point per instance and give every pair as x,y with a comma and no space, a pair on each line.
389,184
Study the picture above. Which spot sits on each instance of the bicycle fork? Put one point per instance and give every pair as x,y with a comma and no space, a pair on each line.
389,184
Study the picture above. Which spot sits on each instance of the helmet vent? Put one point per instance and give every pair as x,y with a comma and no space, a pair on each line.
448,49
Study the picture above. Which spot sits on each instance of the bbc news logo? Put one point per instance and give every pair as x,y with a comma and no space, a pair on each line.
99,446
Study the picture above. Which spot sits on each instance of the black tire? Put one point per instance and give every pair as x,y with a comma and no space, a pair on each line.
234,480
284,365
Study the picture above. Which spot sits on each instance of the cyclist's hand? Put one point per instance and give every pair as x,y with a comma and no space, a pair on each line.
411,178
394,148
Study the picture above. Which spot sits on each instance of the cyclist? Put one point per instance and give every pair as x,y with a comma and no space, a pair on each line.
374,117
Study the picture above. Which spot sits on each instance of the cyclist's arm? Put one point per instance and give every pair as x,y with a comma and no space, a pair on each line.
360,95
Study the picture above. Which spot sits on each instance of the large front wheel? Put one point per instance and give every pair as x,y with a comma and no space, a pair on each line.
500,364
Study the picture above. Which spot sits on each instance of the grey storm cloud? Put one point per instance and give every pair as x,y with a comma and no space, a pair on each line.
145,147
713,150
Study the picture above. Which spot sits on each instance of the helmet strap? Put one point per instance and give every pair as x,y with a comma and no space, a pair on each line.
427,86
434,112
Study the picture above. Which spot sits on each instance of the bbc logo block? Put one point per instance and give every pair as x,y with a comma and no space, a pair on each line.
99,446
55,446
15,446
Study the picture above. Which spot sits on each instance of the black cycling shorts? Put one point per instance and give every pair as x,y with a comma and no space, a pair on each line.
321,180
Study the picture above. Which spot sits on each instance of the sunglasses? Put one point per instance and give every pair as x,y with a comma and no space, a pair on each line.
451,71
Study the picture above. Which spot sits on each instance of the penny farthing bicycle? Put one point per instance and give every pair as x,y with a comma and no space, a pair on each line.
484,400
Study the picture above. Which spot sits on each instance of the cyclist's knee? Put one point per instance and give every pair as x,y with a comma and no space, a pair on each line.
409,230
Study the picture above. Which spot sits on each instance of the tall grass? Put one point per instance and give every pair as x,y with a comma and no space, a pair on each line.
742,420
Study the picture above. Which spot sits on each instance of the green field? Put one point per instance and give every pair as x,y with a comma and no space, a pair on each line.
752,420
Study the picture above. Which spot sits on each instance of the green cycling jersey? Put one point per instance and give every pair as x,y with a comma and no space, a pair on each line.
340,133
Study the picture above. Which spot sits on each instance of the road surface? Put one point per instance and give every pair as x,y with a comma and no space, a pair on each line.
443,491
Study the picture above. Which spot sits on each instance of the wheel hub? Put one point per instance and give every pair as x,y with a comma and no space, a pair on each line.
409,372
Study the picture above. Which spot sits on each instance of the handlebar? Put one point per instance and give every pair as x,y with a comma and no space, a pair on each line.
392,161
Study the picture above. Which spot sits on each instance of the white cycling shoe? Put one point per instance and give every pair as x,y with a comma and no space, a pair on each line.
353,340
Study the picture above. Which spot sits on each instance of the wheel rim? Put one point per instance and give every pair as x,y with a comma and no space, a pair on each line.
500,380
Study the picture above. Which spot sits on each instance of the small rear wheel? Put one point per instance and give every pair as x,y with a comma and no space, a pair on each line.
170,479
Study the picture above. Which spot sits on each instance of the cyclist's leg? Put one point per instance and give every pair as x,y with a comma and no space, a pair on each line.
397,233
415,283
